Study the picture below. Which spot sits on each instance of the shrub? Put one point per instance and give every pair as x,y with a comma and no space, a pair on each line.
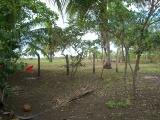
7,68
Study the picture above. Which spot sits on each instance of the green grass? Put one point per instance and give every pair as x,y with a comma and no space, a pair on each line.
144,68
56,61
59,62
150,68
117,104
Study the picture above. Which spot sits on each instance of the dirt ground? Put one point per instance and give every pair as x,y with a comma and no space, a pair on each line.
54,86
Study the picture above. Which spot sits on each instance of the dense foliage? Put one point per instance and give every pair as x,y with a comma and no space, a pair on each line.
18,20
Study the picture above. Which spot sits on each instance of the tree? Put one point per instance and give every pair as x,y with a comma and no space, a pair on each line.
147,16
32,50
54,39
71,38
95,11
17,19
9,42
92,48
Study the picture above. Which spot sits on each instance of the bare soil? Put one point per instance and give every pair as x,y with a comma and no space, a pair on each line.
54,86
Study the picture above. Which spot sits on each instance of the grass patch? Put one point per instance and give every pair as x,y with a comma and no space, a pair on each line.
118,104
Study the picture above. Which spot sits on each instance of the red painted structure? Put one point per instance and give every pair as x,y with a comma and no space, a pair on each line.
29,69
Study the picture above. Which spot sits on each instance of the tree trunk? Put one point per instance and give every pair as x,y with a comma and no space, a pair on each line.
135,74
50,56
106,46
123,56
76,64
117,56
125,68
38,56
94,62
67,64
102,59
53,55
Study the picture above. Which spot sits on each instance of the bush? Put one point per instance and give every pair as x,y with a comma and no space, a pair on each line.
7,68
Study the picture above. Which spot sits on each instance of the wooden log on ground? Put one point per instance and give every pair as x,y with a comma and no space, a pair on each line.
79,95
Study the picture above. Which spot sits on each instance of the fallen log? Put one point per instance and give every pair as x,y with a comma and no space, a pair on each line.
85,93
77,95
